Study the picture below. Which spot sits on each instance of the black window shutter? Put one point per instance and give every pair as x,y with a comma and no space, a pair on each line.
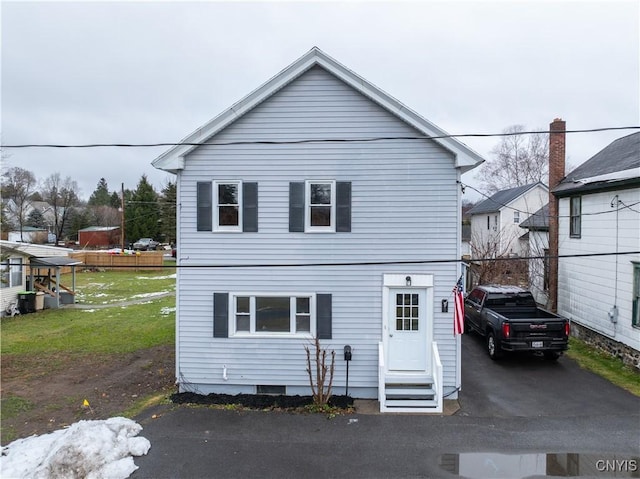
323,316
220,315
250,207
343,206
296,206
203,205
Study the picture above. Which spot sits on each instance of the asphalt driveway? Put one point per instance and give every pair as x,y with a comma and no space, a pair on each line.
523,406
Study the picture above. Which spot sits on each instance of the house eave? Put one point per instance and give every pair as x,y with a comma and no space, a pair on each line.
173,159
565,190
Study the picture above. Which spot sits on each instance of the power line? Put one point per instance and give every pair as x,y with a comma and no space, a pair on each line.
529,213
373,263
310,140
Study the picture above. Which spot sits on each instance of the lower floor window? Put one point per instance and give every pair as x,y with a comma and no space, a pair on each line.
273,314
11,273
635,319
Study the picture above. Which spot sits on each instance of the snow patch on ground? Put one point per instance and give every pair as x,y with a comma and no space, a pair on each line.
86,449
167,311
149,295
171,276
89,310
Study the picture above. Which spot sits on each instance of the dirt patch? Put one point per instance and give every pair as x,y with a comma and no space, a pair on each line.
50,389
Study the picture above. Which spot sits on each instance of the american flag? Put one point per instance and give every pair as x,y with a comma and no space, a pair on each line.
458,313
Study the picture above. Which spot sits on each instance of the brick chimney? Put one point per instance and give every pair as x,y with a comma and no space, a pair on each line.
556,173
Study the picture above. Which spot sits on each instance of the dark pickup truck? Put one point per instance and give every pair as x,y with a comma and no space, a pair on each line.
510,320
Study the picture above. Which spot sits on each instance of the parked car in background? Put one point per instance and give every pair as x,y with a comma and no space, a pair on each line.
510,320
145,244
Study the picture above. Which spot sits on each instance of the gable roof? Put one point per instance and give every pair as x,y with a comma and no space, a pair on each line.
615,165
502,198
173,159
539,221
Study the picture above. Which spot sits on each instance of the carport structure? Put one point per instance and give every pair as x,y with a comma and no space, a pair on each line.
45,274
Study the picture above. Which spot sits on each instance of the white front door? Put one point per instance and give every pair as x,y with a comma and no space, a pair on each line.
407,329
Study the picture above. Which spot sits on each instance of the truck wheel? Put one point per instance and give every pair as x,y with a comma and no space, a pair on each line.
551,355
492,347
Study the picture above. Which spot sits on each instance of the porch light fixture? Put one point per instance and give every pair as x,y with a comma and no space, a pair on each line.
408,280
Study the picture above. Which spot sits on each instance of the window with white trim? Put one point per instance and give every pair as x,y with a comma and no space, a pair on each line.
575,217
272,314
320,205
11,273
635,317
228,205
516,217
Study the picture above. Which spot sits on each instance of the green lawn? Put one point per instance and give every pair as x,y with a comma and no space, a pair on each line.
604,365
115,286
110,330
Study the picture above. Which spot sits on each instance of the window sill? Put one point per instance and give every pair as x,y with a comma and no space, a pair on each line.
271,336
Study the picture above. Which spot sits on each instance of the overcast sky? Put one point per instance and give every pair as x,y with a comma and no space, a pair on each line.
116,72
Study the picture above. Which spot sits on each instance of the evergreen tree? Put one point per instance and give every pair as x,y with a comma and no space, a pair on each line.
35,219
142,212
115,200
101,195
168,213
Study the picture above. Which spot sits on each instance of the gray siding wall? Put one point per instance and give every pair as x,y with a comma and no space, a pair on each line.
404,207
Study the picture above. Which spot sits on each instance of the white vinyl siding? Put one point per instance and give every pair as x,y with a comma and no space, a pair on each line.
405,206
587,284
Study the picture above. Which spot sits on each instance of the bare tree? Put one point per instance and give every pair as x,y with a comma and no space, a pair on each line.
519,159
18,185
62,195
492,265
321,385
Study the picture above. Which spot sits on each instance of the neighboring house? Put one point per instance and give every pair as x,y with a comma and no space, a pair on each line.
495,222
465,250
99,236
29,234
599,213
537,248
317,207
17,275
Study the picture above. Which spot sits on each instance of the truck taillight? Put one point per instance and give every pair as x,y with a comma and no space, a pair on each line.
506,330
567,329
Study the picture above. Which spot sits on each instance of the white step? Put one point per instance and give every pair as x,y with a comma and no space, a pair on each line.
409,404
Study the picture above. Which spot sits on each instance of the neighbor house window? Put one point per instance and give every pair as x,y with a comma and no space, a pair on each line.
272,314
228,206
11,273
488,222
635,318
575,216
516,217
320,205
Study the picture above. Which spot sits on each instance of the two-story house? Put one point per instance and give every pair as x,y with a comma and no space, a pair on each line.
318,206
598,278
495,221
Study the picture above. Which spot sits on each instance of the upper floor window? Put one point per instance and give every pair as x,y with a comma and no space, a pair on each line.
516,217
11,273
227,206
228,209
575,216
320,206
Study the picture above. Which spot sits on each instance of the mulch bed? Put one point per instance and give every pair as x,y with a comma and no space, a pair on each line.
258,401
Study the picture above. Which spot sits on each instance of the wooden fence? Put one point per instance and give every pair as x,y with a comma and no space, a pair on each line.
141,261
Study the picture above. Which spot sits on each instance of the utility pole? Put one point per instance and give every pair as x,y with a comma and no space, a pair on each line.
122,224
